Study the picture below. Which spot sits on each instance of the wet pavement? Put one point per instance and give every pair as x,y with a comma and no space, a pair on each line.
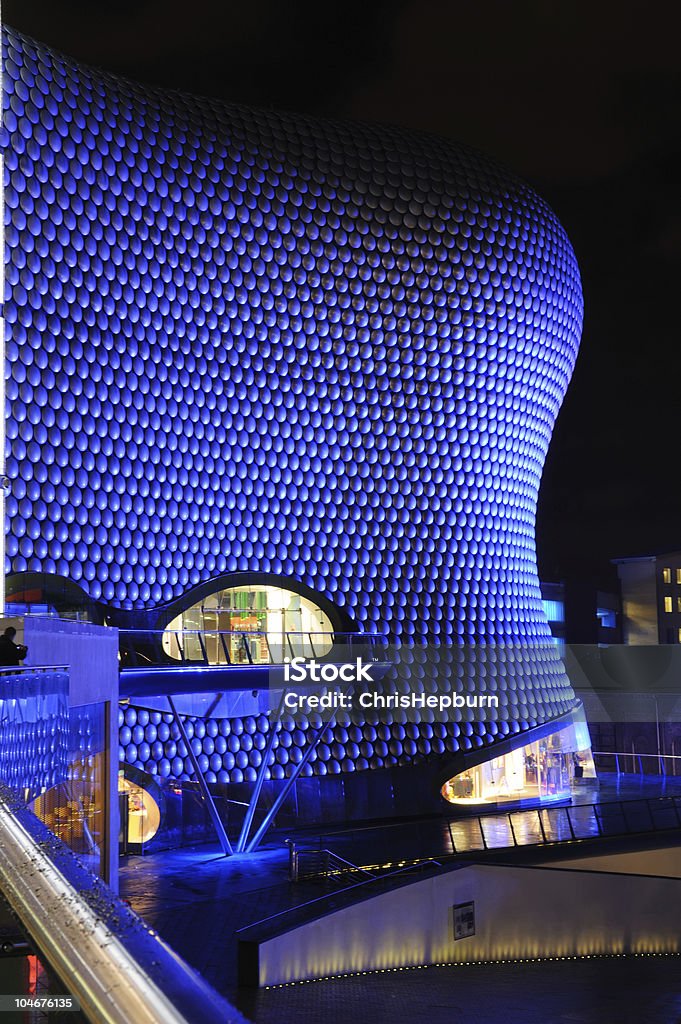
619,990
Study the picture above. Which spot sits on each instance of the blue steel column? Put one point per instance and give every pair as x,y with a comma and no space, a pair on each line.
203,786
269,817
262,771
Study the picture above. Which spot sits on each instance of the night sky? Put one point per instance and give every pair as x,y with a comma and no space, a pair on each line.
582,99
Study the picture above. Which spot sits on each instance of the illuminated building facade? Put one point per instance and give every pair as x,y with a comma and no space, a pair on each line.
255,354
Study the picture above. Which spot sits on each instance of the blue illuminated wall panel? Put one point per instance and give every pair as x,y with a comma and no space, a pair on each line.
240,341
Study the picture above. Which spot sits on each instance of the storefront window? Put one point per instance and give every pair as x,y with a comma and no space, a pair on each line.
142,814
545,770
249,625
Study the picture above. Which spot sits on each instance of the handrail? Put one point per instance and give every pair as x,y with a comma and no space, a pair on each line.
77,938
347,864
633,753
375,880
635,756
189,646
17,669
354,634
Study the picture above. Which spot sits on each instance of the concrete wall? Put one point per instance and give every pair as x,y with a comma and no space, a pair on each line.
520,912
663,862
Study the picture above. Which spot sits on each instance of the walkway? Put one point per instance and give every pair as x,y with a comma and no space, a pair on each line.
623,805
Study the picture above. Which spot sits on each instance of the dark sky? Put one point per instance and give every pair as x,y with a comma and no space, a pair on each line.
583,99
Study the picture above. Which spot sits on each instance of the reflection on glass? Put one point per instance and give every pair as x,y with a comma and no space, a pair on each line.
75,810
249,625
545,770
144,814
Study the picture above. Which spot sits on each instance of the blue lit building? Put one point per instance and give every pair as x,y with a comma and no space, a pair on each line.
298,373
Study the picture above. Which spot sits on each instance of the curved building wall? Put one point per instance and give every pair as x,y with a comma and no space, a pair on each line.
241,342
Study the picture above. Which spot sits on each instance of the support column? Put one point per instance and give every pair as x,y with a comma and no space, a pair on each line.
203,785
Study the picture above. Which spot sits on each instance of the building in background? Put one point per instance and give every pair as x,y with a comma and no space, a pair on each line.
651,598
580,613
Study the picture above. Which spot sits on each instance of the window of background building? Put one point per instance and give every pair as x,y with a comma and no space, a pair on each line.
668,604
607,617
678,605
678,577
666,575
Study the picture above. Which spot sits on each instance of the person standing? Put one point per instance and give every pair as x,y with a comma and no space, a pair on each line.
11,653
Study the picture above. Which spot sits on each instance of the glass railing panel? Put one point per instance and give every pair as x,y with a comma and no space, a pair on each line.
666,813
34,728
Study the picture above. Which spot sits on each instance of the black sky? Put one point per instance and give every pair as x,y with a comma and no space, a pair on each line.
583,99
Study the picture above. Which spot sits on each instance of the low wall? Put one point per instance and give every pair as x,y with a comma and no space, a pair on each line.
520,913
663,861
89,651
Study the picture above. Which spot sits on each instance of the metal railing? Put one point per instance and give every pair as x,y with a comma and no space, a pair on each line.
147,648
632,763
318,906
309,863
543,825
103,955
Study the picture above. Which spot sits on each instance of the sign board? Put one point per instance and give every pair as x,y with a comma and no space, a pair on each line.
464,920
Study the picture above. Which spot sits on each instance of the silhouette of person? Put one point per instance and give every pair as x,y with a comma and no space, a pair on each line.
11,653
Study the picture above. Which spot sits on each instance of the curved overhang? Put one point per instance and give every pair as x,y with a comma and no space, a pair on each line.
338,617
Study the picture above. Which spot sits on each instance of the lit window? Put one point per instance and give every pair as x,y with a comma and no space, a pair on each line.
666,575
678,577
678,605
256,624
680,634
668,604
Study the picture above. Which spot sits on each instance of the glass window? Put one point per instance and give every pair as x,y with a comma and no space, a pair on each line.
143,815
679,636
678,577
554,610
668,604
678,605
246,625
666,575
544,770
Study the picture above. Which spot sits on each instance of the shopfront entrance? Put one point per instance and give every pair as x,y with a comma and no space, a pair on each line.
543,770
